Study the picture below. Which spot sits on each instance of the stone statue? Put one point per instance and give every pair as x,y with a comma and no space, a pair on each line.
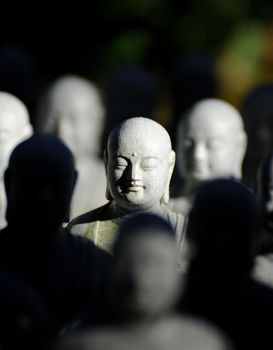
144,291
72,109
14,128
66,271
221,229
211,143
139,162
263,267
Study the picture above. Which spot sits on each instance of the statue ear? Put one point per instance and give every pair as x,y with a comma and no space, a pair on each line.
107,194
27,130
166,195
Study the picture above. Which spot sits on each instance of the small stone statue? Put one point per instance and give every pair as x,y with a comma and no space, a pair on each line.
145,289
139,163
14,127
72,110
211,143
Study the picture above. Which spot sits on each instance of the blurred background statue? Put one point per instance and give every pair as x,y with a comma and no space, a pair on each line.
145,289
72,109
211,143
14,128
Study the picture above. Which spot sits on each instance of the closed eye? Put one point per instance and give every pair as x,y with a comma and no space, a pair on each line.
150,163
121,166
121,163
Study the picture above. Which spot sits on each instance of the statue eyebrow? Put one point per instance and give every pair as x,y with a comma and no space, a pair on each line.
145,158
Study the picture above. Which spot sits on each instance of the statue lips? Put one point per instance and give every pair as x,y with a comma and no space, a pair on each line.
132,186
135,188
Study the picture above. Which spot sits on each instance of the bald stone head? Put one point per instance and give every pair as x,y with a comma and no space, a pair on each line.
211,142
72,110
139,164
14,126
146,281
39,183
221,228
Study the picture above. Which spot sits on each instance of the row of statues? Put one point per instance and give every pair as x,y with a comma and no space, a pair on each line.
72,109
54,282
125,230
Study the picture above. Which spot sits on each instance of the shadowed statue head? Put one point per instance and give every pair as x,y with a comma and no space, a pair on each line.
222,225
146,282
39,183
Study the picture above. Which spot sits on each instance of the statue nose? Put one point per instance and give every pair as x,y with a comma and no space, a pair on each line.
134,172
199,152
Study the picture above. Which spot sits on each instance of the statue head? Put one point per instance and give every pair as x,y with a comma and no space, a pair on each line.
39,183
211,142
14,126
72,110
139,164
222,224
264,190
146,282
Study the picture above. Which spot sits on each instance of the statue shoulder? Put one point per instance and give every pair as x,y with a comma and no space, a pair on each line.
177,220
81,222
180,205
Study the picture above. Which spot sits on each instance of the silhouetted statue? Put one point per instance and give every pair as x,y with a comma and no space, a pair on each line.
72,109
14,128
66,271
145,289
211,143
139,165
257,112
221,228
263,269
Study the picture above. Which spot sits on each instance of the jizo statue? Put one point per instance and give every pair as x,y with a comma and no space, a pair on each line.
72,109
139,162
211,143
14,127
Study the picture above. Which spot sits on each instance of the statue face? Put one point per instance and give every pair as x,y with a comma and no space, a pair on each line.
145,276
72,109
79,125
210,146
138,170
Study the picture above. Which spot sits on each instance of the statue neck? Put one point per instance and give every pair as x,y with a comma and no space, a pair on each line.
119,211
